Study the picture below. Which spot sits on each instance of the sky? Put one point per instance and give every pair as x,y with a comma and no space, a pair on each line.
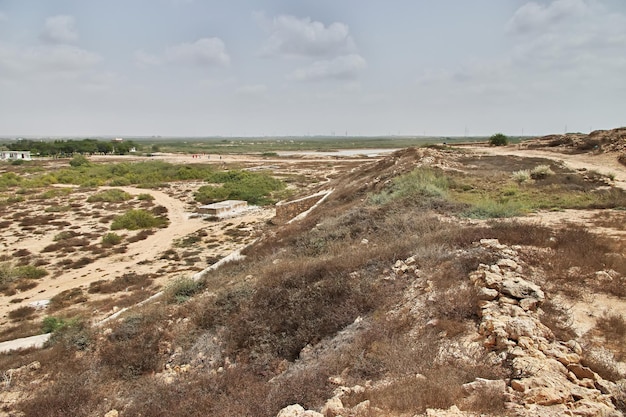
311,67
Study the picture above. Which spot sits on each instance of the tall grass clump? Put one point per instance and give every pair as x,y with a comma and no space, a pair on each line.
138,219
419,183
541,172
522,176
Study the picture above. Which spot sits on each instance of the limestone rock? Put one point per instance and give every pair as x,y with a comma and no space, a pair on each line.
297,410
333,407
582,372
519,288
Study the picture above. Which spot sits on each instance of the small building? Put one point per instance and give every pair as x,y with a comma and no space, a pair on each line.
15,155
223,207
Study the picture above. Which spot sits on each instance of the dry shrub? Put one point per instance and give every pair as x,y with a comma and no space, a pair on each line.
67,298
127,282
577,246
557,318
612,327
315,299
74,392
66,245
141,235
309,388
235,392
440,387
457,304
132,348
22,313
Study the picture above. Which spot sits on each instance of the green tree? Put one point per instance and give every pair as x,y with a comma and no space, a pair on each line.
498,139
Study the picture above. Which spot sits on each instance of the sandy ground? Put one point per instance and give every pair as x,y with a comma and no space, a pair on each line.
603,163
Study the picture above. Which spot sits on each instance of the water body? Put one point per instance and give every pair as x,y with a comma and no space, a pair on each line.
370,153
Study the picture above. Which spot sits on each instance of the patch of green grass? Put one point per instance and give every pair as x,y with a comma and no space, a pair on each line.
138,219
490,209
145,197
113,195
255,188
419,183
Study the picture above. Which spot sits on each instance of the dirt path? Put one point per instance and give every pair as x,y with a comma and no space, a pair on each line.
138,253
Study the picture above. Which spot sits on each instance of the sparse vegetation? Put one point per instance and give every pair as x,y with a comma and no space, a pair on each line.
255,188
113,195
329,298
138,219
111,239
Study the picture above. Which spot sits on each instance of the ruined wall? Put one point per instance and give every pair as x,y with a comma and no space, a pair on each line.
286,211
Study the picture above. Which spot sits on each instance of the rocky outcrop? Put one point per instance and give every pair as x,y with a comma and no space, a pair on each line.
548,377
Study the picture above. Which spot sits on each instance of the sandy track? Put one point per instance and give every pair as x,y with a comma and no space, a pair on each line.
138,253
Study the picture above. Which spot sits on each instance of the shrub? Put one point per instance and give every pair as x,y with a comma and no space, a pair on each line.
21,313
51,324
132,348
63,236
612,326
79,161
182,289
145,197
72,334
30,272
255,188
521,176
114,195
137,219
111,239
541,172
498,139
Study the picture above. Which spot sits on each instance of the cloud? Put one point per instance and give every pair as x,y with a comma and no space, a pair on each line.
3,17
346,67
559,49
144,59
252,90
294,37
203,52
46,61
59,29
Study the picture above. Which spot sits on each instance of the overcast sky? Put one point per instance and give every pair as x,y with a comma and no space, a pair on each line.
287,67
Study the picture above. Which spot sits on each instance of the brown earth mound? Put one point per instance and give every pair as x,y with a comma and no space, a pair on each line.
597,141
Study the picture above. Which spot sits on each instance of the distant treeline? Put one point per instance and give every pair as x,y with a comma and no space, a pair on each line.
71,147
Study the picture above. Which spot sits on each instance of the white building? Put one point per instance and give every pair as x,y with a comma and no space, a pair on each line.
15,155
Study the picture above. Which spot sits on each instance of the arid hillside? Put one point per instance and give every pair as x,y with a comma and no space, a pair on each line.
435,281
